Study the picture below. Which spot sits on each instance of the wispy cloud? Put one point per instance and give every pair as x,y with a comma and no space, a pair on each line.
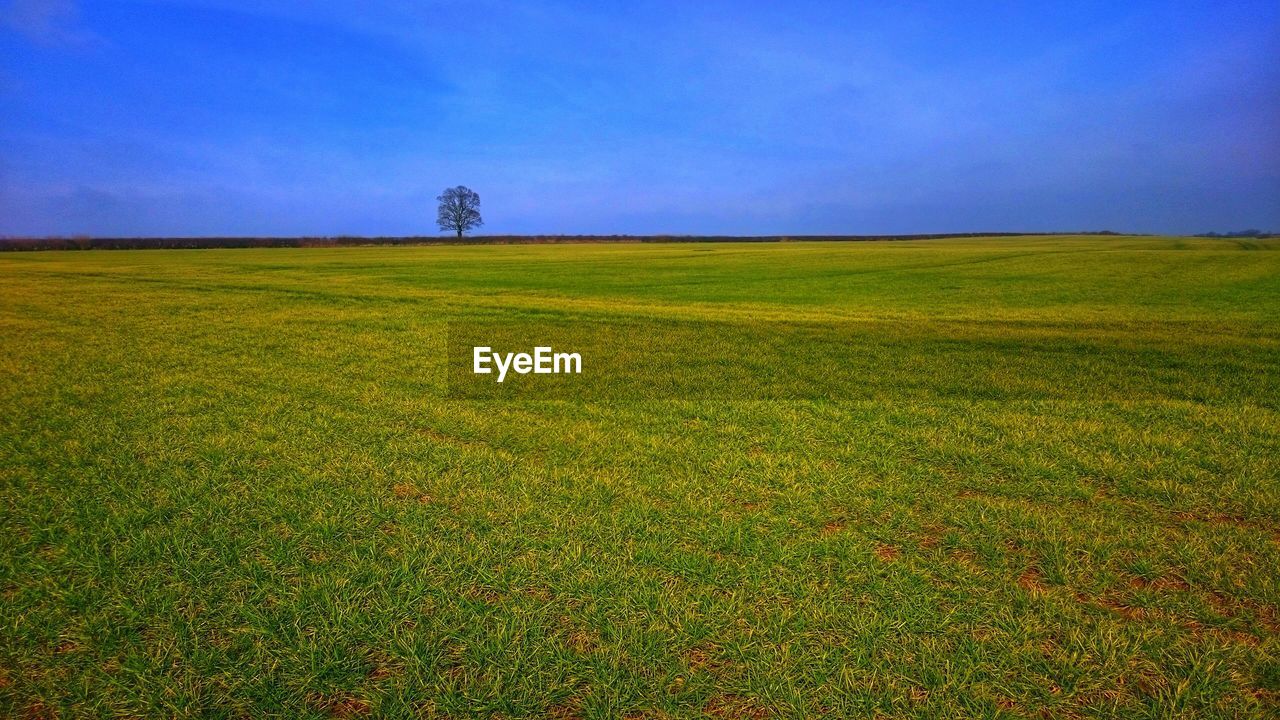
47,22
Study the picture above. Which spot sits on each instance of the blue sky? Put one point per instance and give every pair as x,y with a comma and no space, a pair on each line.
326,118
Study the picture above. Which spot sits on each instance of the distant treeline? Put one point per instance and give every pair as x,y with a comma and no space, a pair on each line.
1260,234
189,243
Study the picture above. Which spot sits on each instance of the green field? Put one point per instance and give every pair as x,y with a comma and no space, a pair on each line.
1017,477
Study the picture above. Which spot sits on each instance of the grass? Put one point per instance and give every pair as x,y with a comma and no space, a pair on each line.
1014,477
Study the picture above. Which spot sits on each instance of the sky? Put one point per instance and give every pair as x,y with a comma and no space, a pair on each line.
321,118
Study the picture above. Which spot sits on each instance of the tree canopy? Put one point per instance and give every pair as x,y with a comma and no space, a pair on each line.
459,210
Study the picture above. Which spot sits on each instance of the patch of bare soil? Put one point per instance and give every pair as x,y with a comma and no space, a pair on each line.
341,706
734,707
1032,580
888,553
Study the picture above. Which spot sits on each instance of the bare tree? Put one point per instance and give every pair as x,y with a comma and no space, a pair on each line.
459,210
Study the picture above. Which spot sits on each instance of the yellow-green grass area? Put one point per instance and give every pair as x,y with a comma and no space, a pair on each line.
1013,477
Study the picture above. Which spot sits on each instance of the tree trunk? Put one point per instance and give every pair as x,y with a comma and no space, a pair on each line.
459,232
